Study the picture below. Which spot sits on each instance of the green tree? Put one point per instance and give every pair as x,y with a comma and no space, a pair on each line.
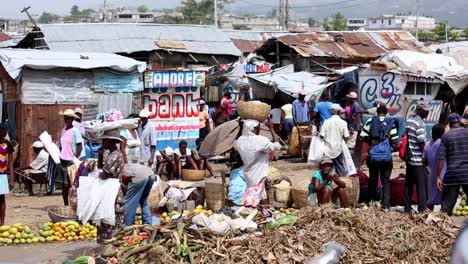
326,24
200,11
142,9
312,22
427,36
442,29
47,18
465,33
88,12
339,22
75,11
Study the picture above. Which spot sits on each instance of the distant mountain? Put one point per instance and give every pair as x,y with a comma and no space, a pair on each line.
454,11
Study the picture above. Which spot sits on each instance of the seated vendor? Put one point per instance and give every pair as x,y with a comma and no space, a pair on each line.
321,184
201,162
37,167
165,163
183,158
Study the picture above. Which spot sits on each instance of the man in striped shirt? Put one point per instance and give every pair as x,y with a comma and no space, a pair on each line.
453,150
415,171
371,134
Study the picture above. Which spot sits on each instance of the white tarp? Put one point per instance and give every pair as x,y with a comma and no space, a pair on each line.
439,66
290,82
13,60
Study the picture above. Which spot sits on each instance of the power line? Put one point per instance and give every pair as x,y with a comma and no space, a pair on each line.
325,4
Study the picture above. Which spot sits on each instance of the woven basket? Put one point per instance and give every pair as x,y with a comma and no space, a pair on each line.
214,195
193,175
253,110
352,189
153,199
299,196
280,197
61,213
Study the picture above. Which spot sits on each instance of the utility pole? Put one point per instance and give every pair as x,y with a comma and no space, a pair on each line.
105,11
286,11
280,14
283,17
25,10
417,18
216,13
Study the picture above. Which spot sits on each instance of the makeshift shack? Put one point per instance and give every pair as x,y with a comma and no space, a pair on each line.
323,52
37,84
172,98
402,79
162,46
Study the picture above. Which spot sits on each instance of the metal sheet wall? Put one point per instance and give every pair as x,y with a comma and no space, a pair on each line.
119,101
117,82
57,87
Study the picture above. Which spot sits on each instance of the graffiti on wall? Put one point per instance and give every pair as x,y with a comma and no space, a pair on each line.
388,87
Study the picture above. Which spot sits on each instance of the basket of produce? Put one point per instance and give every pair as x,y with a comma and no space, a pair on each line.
280,193
253,110
61,213
193,175
299,196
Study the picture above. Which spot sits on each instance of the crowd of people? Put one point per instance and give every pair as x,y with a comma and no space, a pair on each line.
437,168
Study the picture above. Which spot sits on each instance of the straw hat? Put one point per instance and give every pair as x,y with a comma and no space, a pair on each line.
79,111
69,113
112,134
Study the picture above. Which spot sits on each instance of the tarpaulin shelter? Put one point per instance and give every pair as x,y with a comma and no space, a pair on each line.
285,80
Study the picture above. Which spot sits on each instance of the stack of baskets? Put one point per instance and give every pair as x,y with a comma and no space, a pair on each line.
193,175
280,193
253,110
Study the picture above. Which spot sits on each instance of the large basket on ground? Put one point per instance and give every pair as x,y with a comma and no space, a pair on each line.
215,195
253,110
193,175
299,196
352,190
280,197
61,213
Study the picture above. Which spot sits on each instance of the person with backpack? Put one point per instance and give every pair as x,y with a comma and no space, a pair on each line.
381,133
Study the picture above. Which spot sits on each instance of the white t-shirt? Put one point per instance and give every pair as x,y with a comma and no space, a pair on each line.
276,116
184,160
41,161
147,136
333,131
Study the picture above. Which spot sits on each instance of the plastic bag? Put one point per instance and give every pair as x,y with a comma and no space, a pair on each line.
285,220
237,186
348,160
315,150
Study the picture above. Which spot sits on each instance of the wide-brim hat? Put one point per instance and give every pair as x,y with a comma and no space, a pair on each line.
79,111
69,113
111,134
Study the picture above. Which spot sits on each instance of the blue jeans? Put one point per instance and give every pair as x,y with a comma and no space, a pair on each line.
288,126
137,194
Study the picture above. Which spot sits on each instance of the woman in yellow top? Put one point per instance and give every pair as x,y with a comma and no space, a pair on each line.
204,121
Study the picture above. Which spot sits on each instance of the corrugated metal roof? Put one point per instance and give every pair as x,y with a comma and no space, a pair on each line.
253,35
247,45
350,44
6,40
4,37
128,38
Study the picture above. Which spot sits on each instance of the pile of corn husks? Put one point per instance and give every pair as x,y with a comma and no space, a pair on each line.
370,236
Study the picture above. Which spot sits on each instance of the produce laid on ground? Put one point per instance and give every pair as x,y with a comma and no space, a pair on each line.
167,217
462,209
48,232
369,236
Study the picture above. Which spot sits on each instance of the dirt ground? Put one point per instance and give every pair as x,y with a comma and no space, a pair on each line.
32,211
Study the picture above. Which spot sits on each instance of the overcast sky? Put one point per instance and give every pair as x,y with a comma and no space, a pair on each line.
455,11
